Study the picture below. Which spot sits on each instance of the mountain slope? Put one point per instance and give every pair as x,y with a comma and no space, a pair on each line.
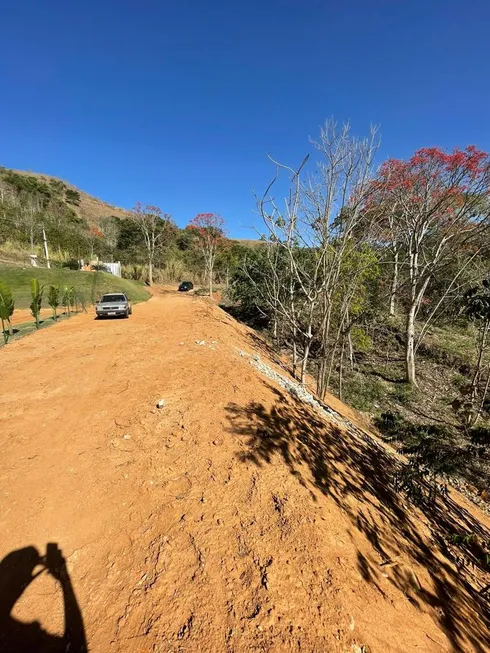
91,208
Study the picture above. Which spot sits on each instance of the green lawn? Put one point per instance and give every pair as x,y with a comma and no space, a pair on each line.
90,285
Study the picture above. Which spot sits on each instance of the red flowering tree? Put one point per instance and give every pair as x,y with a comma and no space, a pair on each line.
431,205
154,226
208,229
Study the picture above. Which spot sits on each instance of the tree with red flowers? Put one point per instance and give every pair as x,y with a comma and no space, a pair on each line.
154,225
208,229
436,202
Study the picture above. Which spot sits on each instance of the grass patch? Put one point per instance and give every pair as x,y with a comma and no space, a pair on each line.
363,392
404,393
450,345
89,285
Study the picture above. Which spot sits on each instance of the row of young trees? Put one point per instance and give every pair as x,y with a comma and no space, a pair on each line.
56,296
353,243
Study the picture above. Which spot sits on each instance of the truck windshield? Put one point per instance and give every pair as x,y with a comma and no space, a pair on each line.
113,298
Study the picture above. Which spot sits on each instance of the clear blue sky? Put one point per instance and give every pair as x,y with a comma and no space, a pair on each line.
177,103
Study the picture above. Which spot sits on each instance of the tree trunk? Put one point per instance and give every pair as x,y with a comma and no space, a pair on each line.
304,362
322,368
295,356
211,282
341,369
394,284
351,349
476,375
150,272
482,401
410,348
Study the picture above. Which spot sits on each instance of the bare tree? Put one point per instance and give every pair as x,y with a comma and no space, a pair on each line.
209,231
316,228
151,222
336,198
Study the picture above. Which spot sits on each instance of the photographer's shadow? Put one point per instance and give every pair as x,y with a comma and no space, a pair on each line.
17,571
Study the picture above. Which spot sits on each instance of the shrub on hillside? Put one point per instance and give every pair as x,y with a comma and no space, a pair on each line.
363,393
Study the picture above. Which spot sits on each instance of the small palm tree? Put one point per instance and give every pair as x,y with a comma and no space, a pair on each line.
6,310
66,299
54,300
72,299
37,298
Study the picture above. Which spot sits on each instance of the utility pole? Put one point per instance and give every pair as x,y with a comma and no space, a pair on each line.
45,243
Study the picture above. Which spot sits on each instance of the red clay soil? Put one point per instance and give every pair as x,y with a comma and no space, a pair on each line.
234,518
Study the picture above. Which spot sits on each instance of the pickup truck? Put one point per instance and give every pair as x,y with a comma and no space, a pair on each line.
113,305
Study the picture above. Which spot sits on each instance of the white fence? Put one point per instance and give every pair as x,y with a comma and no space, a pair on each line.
113,268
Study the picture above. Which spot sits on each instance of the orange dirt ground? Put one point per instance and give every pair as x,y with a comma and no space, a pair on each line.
233,519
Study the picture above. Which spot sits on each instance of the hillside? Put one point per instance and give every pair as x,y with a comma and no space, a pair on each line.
80,226
238,517
90,208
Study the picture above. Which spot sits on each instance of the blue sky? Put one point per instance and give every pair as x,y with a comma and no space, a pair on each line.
177,103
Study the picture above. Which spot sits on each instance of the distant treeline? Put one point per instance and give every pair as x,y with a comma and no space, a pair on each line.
29,203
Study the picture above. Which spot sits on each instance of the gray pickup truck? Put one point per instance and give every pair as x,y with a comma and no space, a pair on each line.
113,305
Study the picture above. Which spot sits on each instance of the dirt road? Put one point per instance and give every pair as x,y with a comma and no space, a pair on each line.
232,519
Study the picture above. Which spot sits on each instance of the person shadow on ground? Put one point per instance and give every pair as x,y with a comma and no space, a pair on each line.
17,571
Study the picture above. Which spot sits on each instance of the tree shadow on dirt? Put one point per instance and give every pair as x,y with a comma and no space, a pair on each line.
339,464
17,571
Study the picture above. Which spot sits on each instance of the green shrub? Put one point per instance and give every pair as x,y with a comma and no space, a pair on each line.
65,300
54,299
363,393
72,196
6,309
37,298
403,393
72,264
360,340
460,381
429,446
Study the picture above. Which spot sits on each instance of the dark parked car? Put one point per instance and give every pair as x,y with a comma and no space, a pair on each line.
113,304
185,286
